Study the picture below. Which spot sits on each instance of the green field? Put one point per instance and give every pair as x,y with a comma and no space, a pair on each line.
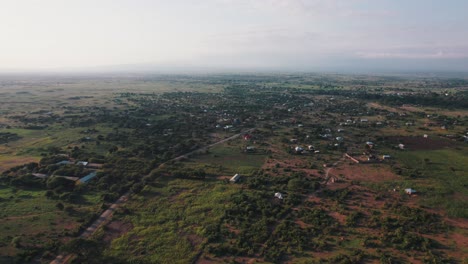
231,159
170,219
29,220
441,177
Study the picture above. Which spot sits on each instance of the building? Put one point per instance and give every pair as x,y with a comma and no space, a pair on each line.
82,163
88,177
250,149
235,178
64,162
299,149
410,191
279,195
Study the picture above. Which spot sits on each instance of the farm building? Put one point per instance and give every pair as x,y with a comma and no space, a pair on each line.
235,178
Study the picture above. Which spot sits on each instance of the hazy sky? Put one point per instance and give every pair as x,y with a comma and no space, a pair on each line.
245,34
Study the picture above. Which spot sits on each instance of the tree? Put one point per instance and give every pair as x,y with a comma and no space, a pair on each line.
60,206
60,183
87,250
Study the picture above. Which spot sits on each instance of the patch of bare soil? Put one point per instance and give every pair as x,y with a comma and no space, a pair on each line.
116,229
9,163
366,172
421,143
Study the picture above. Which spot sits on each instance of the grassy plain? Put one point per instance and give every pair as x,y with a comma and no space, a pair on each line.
169,219
29,219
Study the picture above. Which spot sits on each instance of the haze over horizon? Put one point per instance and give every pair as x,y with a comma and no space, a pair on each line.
277,35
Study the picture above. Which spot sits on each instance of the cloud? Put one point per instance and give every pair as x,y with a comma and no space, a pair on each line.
417,52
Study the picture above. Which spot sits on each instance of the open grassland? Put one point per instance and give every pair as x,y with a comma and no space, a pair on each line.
30,221
231,158
170,219
441,177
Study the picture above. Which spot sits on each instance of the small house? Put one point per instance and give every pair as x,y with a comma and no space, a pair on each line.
401,146
235,178
410,191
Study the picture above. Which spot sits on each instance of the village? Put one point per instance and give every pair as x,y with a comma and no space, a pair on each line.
264,169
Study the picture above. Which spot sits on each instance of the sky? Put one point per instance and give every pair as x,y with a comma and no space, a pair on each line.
284,35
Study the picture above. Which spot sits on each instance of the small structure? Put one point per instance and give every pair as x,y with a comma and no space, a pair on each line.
410,191
299,149
425,136
364,120
40,175
64,162
250,149
279,195
235,178
310,147
370,144
401,146
386,157
82,163
95,165
88,177
247,137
